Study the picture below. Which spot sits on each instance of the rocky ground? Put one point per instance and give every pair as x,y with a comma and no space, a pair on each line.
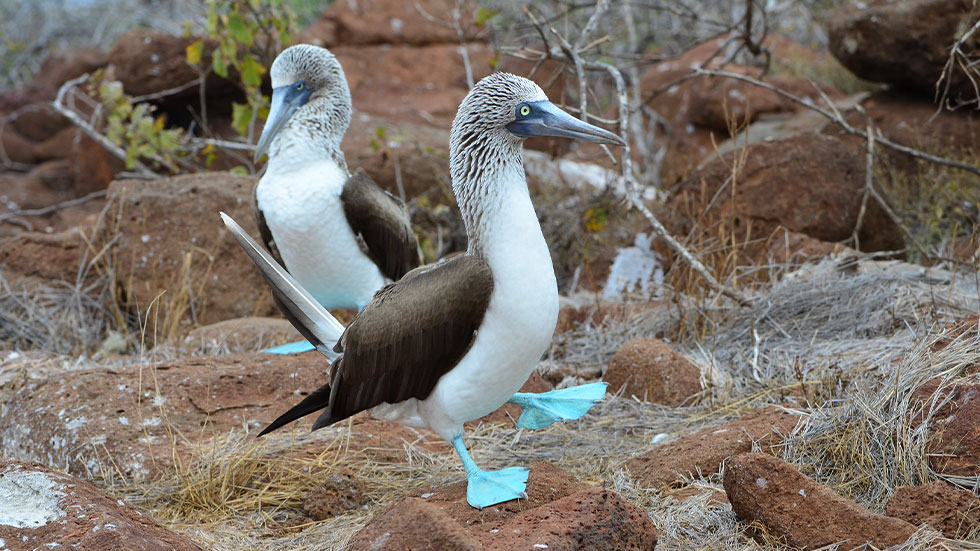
836,408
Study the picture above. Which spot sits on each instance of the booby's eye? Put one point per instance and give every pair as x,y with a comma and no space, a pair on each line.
525,110
299,86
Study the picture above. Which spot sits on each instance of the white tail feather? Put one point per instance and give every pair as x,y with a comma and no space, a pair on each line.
321,323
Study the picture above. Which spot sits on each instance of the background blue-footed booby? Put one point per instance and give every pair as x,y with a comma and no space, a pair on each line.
452,341
340,235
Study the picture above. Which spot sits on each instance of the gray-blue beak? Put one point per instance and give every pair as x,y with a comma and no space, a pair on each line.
543,118
285,101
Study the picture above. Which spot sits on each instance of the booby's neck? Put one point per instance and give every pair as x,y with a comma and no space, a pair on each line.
311,135
491,191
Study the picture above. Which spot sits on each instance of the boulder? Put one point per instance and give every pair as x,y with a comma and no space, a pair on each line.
44,509
60,67
17,148
38,121
390,22
905,43
651,370
953,411
147,61
953,511
809,184
560,513
704,451
48,257
171,249
700,110
769,491
387,81
128,419
339,493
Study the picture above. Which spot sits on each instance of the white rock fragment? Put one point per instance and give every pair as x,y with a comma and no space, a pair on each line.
30,499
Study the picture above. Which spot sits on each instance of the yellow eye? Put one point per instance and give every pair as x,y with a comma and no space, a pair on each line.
299,86
525,110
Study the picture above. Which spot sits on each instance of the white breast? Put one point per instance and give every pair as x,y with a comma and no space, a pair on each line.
303,211
516,329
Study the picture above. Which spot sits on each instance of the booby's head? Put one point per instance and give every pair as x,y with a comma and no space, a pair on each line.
511,108
306,80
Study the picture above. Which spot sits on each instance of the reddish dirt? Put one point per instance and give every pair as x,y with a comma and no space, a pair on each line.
560,512
953,511
82,518
43,256
653,371
705,450
341,492
384,22
769,491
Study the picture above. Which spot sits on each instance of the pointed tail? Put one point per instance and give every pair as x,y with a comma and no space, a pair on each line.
300,308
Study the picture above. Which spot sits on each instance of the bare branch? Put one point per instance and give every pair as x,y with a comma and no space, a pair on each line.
59,106
55,207
836,118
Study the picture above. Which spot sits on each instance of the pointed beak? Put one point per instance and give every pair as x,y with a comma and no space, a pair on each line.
546,119
286,100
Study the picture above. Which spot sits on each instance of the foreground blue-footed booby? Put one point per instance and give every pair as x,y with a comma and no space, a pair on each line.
452,341
340,235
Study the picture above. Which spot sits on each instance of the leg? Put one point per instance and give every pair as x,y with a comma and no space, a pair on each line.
541,410
290,348
486,488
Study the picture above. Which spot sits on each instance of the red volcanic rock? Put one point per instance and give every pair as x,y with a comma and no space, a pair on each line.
953,511
38,122
83,421
168,235
769,491
385,81
954,414
560,513
43,509
651,370
704,451
49,257
339,493
809,184
393,22
60,67
904,43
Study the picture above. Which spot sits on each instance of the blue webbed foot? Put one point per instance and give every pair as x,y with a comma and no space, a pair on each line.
486,488
290,348
541,410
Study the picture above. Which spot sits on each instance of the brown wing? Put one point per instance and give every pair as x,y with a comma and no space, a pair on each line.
412,333
264,232
382,223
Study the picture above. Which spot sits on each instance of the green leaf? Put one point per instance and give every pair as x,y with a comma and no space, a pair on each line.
252,71
219,63
211,26
239,170
194,51
241,117
483,15
239,29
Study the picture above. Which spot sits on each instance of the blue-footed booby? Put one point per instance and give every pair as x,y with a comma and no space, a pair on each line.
452,341
340,235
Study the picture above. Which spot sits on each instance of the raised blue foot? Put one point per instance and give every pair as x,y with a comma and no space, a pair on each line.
486,488
291,348
541,410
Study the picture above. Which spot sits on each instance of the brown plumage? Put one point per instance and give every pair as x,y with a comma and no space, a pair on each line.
410,335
